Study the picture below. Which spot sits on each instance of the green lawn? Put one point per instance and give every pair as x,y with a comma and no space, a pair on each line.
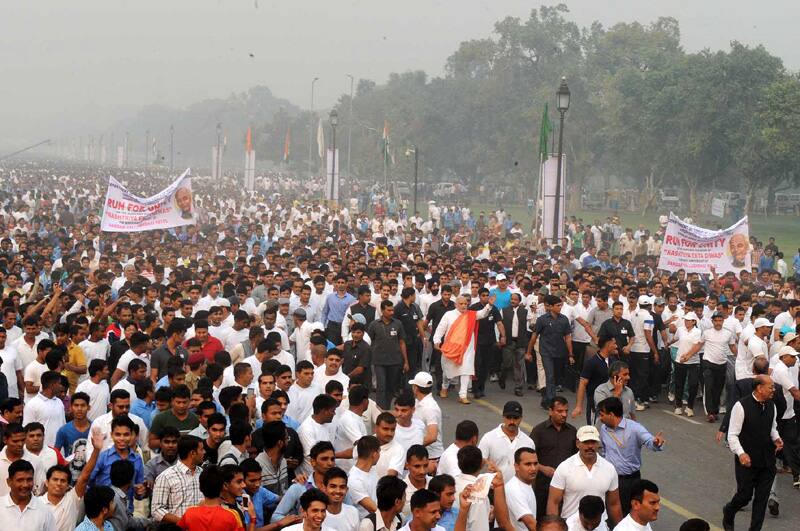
785,229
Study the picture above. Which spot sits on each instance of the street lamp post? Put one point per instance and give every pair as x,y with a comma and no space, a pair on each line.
334,117
562,104
311,128
350,130
171,148
219,152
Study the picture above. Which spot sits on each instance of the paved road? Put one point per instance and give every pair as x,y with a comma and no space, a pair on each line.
694,474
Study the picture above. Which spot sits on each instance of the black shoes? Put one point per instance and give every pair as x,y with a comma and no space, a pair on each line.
727,521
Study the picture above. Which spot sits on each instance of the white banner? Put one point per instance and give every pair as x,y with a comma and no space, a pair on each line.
718,207
695,249
548,188
171,207
332,171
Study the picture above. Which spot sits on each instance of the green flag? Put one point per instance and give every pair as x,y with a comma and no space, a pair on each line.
544,134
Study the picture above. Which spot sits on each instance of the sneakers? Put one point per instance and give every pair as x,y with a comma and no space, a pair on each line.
722,410
671,397
689,412
443,393
493,378
774,508
678,411
640,406
654,399
796,482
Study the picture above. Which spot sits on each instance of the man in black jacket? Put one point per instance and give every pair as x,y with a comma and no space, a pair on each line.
515,323
435,313
753,437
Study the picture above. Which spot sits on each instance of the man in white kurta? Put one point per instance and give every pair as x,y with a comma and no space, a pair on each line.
450,369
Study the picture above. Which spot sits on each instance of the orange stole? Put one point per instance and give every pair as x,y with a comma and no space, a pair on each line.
459,335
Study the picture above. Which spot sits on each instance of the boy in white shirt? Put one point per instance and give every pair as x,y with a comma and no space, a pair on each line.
363,480
340,517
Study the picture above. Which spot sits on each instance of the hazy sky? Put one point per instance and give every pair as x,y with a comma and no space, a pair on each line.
70,65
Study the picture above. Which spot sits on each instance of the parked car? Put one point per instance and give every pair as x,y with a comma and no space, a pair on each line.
669,198
786,203
594,200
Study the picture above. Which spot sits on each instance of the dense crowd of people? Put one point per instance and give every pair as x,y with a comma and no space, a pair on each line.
281,363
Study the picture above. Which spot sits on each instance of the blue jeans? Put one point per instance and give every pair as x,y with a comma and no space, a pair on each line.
549,365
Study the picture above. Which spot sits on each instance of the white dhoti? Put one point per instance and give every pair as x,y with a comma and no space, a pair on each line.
466,369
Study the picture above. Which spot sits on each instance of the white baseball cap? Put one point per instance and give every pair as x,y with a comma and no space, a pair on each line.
588,433
501,276
644,300
761,321
787,350
422,379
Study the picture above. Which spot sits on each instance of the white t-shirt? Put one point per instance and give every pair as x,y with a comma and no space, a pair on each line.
67,511
99,395
129,356
787,378
717,345
392,458
498,447
521,501
11,364
629,524
310,433
95,350
744,361
641,321
429,412
410,435
33,374
301,400
49,412
574,524
576,480
686,340
448,462
348,430
362,485
346,520
478,517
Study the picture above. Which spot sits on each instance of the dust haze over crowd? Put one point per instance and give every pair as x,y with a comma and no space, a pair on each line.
78,67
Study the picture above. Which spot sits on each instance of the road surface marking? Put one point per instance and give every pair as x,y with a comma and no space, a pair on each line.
670,413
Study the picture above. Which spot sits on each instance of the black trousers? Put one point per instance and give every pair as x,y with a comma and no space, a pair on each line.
414,353
388,379
751,483
436,368
333,331
640,375
483,363
714,379
625,487
683,372
788,431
